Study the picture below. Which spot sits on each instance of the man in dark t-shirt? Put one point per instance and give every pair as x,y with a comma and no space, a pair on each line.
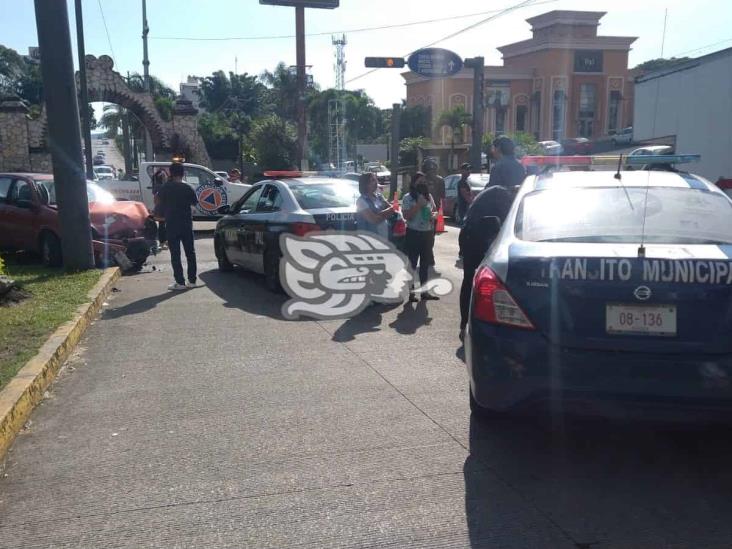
175,201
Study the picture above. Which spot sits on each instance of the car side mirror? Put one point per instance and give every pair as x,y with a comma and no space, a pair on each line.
224,210
490,225
218,181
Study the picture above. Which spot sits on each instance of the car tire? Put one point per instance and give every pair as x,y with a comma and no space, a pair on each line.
51,250
272,271
225,266
482,413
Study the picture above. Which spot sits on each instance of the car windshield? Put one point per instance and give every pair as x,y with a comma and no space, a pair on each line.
339,194
94,192
616,215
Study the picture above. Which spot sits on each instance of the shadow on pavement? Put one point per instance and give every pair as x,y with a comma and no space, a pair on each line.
141,305
244,290
412,317
368,321
602,482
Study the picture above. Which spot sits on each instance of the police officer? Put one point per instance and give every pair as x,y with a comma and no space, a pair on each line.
494,201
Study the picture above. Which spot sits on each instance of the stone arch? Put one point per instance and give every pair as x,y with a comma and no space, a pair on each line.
105,84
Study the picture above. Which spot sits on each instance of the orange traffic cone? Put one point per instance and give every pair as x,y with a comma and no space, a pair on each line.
440,224
395,203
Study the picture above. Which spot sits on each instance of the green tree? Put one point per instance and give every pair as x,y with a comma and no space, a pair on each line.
525,142
661,63
274,141
456,119
409,148
415,121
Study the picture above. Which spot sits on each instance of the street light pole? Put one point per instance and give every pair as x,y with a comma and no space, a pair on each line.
146,77
86,123
64,136
478,66
302,128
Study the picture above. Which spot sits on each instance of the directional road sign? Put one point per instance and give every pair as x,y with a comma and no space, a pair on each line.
435,63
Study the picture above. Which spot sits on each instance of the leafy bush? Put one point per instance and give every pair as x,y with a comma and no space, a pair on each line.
2,265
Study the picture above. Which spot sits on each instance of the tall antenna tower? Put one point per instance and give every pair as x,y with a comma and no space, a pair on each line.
337,107
340,61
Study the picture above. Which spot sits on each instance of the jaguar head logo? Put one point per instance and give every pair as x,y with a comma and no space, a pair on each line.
336,274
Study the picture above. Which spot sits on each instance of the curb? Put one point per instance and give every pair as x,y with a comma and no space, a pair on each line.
22,393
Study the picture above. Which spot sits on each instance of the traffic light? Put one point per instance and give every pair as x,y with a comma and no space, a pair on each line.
384,62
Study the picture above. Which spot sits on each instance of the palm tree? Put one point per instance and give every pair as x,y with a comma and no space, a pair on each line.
456,119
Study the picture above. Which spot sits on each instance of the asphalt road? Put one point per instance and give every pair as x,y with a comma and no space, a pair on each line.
202,419
113,157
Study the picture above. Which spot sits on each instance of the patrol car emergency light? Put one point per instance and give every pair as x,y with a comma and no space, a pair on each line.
610,160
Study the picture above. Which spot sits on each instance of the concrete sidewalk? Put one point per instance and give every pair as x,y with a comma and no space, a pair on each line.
202,419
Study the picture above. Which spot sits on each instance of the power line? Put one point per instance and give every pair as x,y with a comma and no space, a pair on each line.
502,12
109,40
348,31
704,47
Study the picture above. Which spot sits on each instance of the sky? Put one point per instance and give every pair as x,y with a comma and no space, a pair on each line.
693,28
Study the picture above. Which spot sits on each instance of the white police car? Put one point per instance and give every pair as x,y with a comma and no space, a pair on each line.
608,292
290,201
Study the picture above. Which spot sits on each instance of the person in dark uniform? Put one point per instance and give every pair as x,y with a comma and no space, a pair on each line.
507,171
175,201
494,201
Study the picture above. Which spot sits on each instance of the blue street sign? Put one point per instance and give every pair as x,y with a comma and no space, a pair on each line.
435,63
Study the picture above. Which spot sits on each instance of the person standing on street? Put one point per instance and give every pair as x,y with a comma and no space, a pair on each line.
372,211
420,212
176,199
507,171
464,194
494,201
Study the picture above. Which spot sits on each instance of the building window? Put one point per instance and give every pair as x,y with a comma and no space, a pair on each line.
558,110
500,120
521,112
588,61
536,114
587,107
613,112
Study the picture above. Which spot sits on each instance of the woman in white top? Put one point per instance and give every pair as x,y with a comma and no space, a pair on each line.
372,211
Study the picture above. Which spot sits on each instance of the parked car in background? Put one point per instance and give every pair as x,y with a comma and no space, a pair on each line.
98,160
477,182
382,173
623,137
104,172
576,145
29,220
551,148
652,150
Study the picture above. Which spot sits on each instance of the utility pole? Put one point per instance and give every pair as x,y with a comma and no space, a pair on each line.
302,128
396,115
85,122
64,136
149,156
478,66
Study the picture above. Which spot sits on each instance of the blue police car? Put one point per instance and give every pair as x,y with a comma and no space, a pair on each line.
607,292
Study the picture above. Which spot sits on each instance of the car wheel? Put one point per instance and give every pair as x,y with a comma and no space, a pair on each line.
51,250
482,413
225,265
272,271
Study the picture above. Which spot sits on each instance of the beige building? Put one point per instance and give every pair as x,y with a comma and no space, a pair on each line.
565,81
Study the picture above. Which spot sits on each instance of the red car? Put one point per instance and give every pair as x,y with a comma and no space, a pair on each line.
29,220
577,145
